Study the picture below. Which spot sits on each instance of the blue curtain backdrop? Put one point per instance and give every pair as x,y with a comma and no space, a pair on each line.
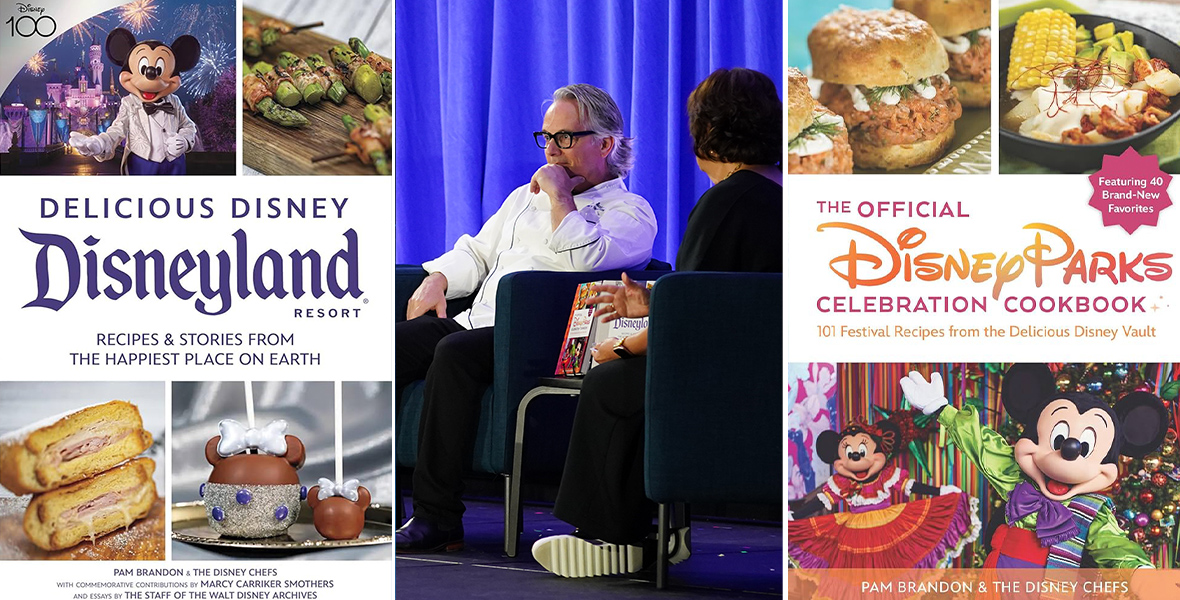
473,78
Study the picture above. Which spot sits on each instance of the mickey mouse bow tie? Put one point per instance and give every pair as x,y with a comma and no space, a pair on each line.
151,108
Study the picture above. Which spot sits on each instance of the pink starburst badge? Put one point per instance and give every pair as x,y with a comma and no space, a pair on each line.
1130,190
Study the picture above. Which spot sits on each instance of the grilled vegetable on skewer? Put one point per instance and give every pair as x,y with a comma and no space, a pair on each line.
273,29
251,37
366,144
279,82
380,65
358,75
259,99
308,82
336,90
381,120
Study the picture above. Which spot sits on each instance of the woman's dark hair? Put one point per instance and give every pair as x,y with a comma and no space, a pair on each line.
736,116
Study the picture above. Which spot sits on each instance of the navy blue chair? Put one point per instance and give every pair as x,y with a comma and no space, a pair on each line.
532,310
714,393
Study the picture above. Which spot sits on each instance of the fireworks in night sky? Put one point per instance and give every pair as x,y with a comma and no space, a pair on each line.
36,64
138,15
86,31
216,57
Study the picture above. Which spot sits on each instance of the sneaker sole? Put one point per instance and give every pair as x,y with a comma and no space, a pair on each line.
569,556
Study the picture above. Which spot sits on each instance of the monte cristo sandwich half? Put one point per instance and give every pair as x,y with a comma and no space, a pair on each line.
70,447
93,507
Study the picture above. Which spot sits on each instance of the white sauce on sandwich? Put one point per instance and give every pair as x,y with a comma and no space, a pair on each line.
956,44
819,143
859,102
960,44
925,89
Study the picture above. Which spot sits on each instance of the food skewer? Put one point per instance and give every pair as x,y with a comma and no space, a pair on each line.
366,144
336,90
380,65
369,141
258,34
357,75
308,82
279,82
326,76
273,29
260,100
251,37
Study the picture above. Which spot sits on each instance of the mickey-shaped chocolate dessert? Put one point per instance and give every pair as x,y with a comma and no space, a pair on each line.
1051,478
338,511
254,490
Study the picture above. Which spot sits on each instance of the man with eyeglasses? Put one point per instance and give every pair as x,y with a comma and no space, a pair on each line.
574,215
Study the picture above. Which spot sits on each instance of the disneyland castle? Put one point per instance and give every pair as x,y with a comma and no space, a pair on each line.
74,102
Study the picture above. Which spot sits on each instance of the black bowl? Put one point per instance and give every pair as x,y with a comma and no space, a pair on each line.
1075,158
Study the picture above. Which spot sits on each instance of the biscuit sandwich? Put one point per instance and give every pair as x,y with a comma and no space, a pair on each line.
818,140
965,29
884,73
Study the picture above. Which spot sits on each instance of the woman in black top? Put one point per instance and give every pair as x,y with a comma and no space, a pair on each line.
735,117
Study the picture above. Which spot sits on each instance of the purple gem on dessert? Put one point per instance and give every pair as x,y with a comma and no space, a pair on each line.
218,514
202,490
281,513
243,496
303,492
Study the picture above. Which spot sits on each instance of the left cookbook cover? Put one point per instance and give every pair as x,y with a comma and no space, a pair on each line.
194,370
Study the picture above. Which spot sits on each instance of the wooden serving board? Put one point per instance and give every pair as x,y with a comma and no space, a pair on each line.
275,150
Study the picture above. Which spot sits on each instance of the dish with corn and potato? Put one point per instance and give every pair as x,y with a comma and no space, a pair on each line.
1072,85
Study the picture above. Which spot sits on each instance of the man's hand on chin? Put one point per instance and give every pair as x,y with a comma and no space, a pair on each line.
431,295
557,183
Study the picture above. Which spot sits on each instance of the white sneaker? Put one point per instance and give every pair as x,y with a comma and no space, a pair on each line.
571,556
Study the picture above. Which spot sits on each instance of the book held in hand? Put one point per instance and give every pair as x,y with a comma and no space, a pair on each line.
583,331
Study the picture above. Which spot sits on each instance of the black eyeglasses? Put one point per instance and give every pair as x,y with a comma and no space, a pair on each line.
564,139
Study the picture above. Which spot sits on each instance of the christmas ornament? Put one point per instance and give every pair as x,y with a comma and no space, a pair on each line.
1157,514
1128,514
1146,497
1138,535
1142,520
1155,531
1167,449
1151,462
1094,386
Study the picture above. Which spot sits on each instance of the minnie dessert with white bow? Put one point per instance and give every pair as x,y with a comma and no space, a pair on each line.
254,489
338,509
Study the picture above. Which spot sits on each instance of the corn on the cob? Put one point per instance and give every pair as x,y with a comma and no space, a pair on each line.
1043,38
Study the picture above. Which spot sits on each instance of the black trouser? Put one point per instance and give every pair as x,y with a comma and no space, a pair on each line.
602,491
457,365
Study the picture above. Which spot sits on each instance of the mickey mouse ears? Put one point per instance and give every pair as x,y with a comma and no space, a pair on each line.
1025,387
1144,420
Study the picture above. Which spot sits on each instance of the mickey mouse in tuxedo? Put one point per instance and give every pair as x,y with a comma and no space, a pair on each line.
151,120
1052,478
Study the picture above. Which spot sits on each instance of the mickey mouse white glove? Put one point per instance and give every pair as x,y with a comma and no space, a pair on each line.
925,396
949,489
176,146
87,145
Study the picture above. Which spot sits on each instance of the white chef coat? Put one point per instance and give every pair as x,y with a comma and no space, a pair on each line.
611,229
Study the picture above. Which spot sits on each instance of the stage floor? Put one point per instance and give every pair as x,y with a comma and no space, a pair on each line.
729,560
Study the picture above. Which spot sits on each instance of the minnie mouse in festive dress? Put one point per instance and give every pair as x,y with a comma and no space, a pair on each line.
875,533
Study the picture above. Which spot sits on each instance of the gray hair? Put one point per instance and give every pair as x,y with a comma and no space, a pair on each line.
598,111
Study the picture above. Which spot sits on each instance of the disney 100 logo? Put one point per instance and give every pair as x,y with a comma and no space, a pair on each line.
28,25
214,279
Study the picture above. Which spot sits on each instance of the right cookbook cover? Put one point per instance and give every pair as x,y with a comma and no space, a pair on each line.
982,371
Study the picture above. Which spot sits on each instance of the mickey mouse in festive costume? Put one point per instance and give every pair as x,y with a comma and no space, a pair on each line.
151,119
1050,478
875,533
